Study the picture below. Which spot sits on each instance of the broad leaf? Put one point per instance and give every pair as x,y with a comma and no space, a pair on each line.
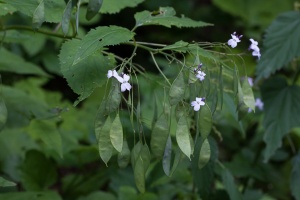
104,143
87,74
6,9
98,38
204,155
38,15
10,62
139,174
93,8
205,121
183,136
114,98
114,6
281,37
100,119
281,105
166,17
176,93
248,96
124,155
116,134
295,177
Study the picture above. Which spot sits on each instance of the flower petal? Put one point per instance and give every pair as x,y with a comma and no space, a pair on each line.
126,77
196,107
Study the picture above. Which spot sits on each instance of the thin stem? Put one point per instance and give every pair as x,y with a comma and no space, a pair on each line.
151,44
155,63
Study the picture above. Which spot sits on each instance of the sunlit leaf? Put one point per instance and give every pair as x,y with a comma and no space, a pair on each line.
281,106
116,134
104,143
166,17
93,8
159,136
205,121
176,93
182,136
295,177
204,155
124,155
38,15
281,37
98,38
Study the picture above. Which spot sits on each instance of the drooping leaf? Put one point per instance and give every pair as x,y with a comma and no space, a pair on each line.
47,132
114,98
166,162
66,17
93,8
176,93
177,159
114,6
37,171
204,155
146,156
282,36
6,183
248,96
281,106
98,38
182,136
166,17
230,185
295,177
159,136
86,75
135,153
205,121
38,15
116,134
100,118
104,143
242,109
139,174
53,8
124,155
10,62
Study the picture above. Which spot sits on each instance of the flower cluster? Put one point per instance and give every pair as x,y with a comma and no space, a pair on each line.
123,79
198,103
199,74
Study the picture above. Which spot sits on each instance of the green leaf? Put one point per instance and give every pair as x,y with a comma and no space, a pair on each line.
124,155
204,155
100,119
282,36
176,93
99,195
295,177
116,134
135,153
30,196
53,8
139,174
47,132
87,74
98,38
248,96
166,17
6,183
114,98
159,136
281,105
104,143
6,9
146,156
66,17
205,121
114,6
166,162
38,15
229,185
182,136
93,8
3,113
37,171
10,62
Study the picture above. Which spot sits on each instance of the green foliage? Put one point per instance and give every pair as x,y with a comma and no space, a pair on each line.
116,134
165,17
6,183
295,177
93,8
114,6
230,187
282,36
282,106
183,136
177,90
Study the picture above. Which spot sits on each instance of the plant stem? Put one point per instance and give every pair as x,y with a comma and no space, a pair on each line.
155,63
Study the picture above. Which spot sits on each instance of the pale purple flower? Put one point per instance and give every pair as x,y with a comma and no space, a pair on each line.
200,75
111,73
256,53
259,104
250,81
198,103
234,40
255,48
124,84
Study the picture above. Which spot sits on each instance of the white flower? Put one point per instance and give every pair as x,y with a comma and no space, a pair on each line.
114,74
256,53
255,48
250,81
235,39
198,103
124,84
200,75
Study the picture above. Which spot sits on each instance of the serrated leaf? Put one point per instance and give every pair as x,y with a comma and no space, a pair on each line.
281,37
159,136
66,17
229,185
104,143
10,62
166,162
114,6
48,133
166,17
205,121
124,155
6,183
176,93
93,8
38,15
53,8
86,75
116,134
204,155
295,177
281,105
6,9
98,38
182,136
